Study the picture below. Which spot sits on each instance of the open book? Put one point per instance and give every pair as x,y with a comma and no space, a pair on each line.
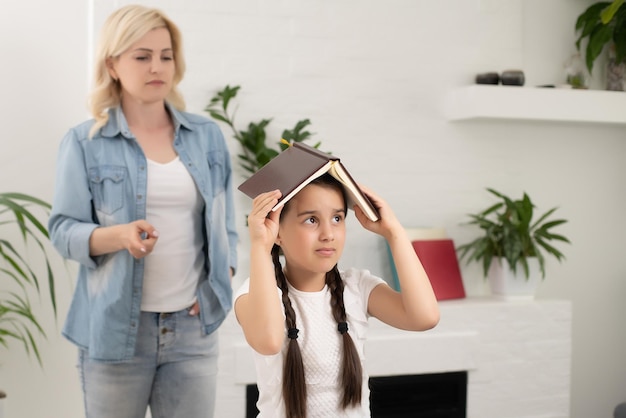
296,167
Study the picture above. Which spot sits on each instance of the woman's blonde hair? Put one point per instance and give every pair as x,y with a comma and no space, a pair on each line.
122,29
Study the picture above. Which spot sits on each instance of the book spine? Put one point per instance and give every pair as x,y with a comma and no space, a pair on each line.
315,151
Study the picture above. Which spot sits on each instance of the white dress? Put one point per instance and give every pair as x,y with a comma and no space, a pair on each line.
321,346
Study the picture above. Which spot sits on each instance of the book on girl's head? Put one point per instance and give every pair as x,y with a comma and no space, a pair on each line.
296,167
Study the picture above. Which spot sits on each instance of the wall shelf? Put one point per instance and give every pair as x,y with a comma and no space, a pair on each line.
491,102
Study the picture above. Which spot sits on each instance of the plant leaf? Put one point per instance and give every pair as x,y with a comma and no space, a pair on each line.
598,38
17,320
607,14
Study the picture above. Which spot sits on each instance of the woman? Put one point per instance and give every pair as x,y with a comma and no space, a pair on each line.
143,203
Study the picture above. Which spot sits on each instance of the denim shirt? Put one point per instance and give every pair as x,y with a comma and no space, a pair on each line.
102,182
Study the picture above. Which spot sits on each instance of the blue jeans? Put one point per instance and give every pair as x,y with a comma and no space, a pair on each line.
174,371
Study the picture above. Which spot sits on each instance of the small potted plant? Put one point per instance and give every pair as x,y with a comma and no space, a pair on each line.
604,24
512,241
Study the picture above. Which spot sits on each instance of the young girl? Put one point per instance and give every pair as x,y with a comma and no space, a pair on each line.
308,334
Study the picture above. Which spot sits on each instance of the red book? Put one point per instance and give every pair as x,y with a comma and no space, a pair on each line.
438,256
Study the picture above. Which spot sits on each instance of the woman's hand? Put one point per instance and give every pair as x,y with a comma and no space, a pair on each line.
138,238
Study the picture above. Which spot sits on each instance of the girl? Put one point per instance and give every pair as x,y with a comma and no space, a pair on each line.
307,321
143,203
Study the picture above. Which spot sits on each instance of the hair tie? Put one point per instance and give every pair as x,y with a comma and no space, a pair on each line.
292,333
342,327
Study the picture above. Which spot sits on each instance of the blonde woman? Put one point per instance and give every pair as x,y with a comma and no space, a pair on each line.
143,203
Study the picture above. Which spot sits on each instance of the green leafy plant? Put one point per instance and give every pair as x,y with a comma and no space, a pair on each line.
603,23
17,320
509,231
255,152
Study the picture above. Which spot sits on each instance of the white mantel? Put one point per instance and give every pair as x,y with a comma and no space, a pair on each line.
517,355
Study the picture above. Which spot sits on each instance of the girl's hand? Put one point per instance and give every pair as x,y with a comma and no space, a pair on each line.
387,224
262,222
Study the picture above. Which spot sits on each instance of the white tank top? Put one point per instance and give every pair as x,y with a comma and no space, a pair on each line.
174,267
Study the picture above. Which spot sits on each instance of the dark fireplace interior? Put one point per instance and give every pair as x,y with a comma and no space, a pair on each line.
436,395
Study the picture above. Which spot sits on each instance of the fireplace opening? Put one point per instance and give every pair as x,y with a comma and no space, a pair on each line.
434,395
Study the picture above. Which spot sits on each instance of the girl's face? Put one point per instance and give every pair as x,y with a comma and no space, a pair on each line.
312,232
146,70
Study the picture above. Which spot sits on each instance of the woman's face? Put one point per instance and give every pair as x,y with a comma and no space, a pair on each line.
146,70
312,232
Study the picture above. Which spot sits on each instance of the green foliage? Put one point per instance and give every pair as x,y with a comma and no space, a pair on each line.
602,23
255,152
17,320
510,232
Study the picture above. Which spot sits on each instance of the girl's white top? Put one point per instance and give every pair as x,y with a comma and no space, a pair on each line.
321,346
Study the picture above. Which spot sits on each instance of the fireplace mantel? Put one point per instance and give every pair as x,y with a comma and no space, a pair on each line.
517,355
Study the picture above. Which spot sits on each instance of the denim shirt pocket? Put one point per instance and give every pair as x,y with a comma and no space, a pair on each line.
107,187
217,171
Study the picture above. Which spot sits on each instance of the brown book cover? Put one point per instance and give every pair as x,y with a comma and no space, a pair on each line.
296,167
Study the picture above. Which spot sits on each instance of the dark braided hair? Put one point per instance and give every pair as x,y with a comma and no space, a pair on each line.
351,370
294,383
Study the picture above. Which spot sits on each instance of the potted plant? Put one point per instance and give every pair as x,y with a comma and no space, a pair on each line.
17,320
255,152
601,24
512,236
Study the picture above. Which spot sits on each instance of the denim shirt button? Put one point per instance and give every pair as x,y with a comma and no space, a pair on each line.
139,197
133,324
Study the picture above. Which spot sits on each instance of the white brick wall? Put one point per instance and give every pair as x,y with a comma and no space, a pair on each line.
370,73
518,355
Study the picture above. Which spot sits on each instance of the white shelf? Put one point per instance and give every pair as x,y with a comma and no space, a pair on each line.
535,103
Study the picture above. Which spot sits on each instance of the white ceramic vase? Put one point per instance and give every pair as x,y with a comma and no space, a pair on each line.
507,285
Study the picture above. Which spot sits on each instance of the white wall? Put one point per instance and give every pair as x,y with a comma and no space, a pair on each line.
371,76
43,82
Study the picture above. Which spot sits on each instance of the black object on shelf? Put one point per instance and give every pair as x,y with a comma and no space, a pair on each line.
488,78
512,78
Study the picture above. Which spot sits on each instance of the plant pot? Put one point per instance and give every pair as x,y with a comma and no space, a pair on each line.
615,75
507,285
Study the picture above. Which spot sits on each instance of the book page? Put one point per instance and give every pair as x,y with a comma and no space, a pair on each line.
356,197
